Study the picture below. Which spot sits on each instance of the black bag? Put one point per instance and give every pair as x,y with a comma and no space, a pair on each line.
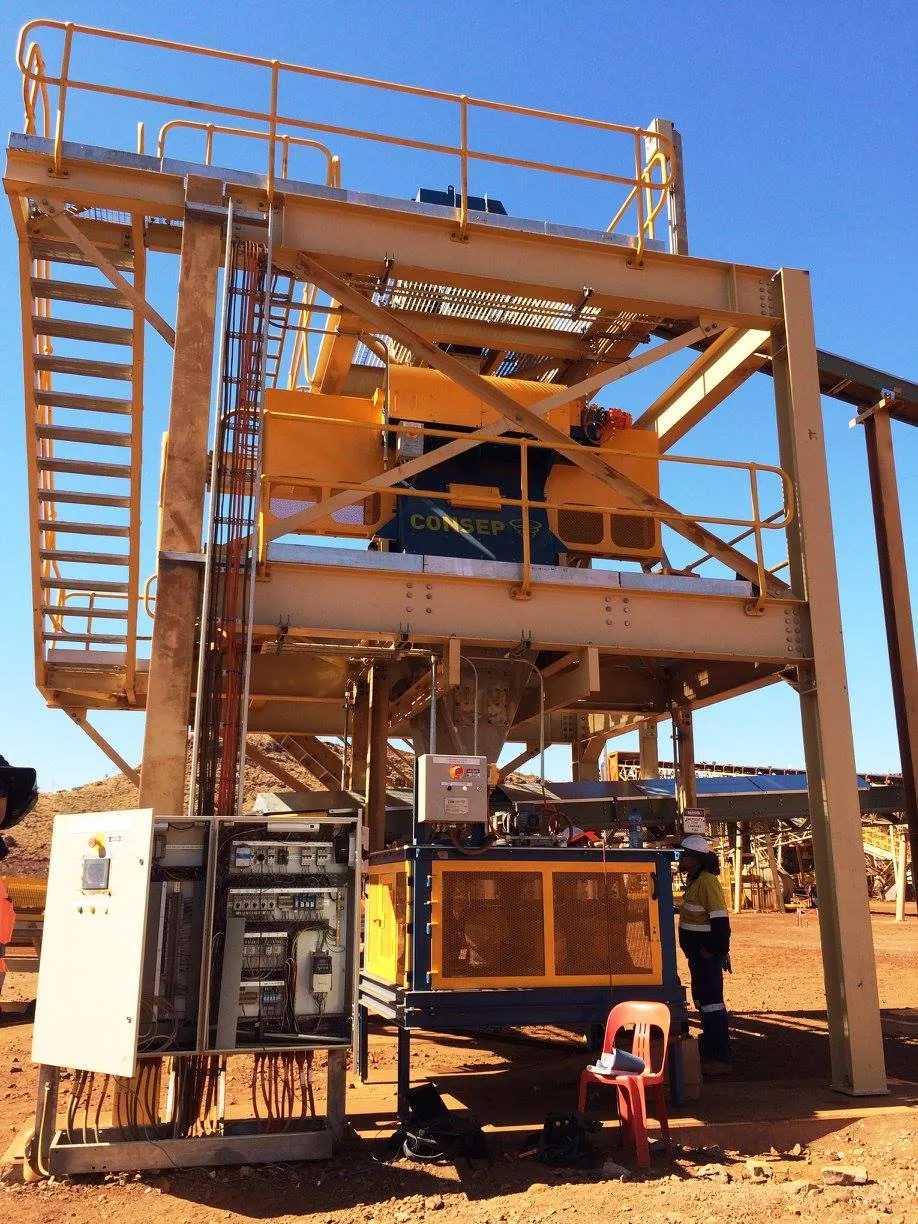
433,1135
563,1142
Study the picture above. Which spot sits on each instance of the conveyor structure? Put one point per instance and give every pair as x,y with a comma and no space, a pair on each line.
419,513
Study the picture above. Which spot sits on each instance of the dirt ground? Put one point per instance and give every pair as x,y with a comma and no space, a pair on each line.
776,1108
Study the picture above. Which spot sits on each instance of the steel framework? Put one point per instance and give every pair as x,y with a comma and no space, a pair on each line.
575,307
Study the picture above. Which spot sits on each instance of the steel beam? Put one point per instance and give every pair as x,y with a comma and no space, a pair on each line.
268,763
132,775
354,597
849,967
355,232
723,366
897,606
162,780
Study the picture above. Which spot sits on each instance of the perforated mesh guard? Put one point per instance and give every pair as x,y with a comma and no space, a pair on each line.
581,526
602,924
633,531
287,500
493,924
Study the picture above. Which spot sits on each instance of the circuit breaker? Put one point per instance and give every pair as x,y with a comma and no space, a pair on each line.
452,789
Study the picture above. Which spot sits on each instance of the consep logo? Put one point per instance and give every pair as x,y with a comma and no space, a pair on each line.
468,525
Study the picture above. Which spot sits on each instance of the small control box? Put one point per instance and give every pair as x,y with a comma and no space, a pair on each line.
452,789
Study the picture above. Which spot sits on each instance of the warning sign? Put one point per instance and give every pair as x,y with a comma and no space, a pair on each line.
694,821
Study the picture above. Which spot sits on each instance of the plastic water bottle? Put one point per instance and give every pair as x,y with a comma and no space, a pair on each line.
635,830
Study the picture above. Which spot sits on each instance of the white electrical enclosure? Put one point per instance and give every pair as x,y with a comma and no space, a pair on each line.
89,982
452,789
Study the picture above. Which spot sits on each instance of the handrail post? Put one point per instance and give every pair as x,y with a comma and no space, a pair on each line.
524,590
57,163
462,235
209,145
272,127
757,606
639,198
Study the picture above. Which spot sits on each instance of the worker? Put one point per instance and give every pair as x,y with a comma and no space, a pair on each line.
7,917
704,937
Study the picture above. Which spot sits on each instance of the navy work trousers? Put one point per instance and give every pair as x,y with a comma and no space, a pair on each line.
707,974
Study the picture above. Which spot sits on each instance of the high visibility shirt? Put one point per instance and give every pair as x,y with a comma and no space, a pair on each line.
703,918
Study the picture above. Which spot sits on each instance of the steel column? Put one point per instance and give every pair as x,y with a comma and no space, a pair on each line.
649,750
686,790
162,778
897,607
377,745
855,1036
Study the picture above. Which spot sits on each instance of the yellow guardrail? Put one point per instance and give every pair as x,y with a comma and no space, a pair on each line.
754,526
645,192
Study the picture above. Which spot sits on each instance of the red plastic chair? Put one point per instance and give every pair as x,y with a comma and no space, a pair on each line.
633,1088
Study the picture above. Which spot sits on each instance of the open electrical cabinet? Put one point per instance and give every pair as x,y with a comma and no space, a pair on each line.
172,945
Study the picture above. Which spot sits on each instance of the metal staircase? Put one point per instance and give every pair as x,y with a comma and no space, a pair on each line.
83,358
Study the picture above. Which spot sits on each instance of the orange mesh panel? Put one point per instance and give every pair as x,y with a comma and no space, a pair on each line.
493,924
633,531
602,923
581,526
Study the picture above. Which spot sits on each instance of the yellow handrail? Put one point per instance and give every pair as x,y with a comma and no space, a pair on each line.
777,521
332,161
639,181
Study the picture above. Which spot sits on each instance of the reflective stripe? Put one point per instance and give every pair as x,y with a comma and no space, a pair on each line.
692,905
694,926
713,1007
718,914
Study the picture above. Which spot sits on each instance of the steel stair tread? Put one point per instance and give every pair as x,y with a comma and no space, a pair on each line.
83,558
72,329
82,402
101,639
59,250
88,437
102,587
79,467
86,613
82,367
74,497
71,527
72,291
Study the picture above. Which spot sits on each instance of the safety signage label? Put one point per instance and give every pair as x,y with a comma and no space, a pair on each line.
693,821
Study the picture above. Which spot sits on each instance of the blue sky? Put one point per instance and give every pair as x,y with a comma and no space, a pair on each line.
798,134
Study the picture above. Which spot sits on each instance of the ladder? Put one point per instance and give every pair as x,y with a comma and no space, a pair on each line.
84,384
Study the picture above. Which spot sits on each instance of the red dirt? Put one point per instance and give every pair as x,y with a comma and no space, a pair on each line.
777,1097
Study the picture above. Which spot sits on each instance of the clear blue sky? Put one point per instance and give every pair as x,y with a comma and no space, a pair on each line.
798,124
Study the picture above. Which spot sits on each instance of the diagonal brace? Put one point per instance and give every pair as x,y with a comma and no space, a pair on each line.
593,462
108,269
384,321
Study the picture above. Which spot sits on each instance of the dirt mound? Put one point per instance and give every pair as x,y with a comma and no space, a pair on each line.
30,841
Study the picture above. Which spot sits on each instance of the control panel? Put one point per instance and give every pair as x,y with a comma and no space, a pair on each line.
288,857
285,904
452,789
286,955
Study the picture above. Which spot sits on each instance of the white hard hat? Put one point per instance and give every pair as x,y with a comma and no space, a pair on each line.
695,843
